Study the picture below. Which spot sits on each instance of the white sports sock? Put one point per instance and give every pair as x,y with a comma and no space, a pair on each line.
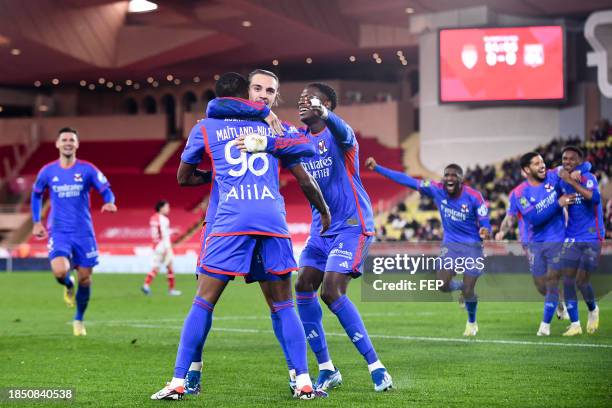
302,380
545,325
576,323
177,382
196,366
375,366
292,374
328,365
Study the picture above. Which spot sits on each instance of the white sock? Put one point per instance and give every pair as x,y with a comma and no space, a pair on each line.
545,325
328,365
302,380
196,366
375,366
292,374
177,382
576,323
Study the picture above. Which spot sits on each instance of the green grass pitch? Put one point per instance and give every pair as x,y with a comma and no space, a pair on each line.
132,340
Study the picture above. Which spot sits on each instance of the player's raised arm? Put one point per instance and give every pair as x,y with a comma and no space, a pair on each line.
311,190
590,192
36,201
398,177
537,218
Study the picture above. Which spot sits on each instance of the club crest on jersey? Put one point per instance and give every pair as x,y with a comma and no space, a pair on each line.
464,208
322,147
548,187
78,177
589,184
482,210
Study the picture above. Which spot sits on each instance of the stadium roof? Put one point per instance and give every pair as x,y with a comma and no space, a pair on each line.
84,39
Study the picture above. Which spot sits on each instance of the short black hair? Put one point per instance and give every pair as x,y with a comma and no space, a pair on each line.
160,204
526,159
326,90
67,130
232,84
573,148
456,167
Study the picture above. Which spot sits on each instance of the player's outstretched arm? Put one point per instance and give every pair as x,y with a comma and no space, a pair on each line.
311,190
188,175
398,177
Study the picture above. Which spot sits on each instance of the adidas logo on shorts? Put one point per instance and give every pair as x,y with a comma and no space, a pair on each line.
344,264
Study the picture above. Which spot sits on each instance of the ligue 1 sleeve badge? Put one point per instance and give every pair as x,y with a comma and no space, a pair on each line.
469,56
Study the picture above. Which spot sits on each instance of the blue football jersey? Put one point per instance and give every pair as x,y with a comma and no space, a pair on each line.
539,208
522,226
246,186
69,193
335,167
585,217
462,216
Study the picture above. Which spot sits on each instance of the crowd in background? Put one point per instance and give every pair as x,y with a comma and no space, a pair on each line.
496,183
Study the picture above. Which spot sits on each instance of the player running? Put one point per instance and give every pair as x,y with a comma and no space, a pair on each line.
249,220
162,248
584,233
72,241
465,220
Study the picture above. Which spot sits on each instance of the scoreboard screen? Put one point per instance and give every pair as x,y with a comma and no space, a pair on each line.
502,64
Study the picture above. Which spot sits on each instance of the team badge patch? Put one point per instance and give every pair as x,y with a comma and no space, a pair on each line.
524,202
483,210
548,187
78,177
322,147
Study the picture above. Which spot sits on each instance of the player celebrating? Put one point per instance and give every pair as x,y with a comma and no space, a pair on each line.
465,220
537,199
332,259
584,234
249,220
162,250
72,241
263,88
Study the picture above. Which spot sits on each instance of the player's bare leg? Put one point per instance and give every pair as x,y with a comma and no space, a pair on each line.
333,293
82,299
60,266
306,287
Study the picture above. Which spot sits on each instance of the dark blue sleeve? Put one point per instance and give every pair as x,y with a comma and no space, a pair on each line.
36,203
238,108
341,131
194,148
533,217
398,177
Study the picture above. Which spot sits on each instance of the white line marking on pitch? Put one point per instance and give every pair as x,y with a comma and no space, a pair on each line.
376,336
